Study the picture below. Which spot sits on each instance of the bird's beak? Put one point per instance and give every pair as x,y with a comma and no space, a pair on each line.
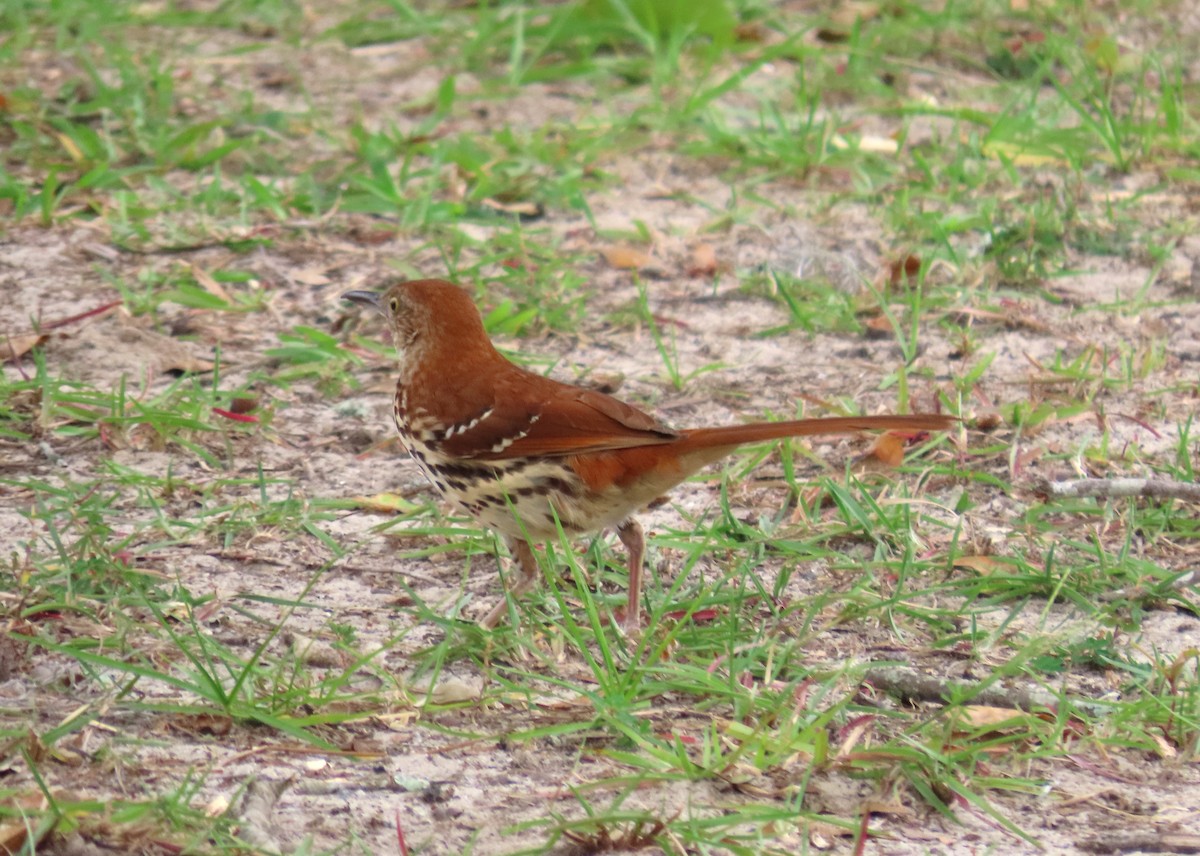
367,298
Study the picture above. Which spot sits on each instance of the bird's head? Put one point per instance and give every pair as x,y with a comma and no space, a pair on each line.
430,319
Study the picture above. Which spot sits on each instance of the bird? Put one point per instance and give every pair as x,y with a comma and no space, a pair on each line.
527,455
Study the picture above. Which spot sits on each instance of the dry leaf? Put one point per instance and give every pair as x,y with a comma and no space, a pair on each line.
704,261
888,448
15,347
1165,749
242,404
400,720
624,257
982,565
879,327
906,268
986,716
874,144
1027,457
69,144
853,735
212,724
988,422
209,284
177,610
1015,316
14,833
524,210
384,503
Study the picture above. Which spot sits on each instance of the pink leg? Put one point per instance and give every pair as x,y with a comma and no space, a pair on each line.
528,574
631,535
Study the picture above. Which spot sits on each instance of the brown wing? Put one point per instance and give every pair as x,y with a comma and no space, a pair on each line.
531,416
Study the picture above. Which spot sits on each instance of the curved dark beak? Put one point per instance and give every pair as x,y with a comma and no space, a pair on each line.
366,298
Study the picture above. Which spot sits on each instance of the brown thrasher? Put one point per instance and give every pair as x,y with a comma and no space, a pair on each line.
525,454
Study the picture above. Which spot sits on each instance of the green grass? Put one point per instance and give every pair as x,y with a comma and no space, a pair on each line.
239,166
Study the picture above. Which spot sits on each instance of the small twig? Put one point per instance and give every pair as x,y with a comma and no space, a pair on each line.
1142,842
1106,488
401,843
82,316
911,684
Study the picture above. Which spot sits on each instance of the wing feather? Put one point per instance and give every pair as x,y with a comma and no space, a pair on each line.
534,416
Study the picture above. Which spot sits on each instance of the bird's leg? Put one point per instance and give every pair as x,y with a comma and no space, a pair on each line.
630,533
528,574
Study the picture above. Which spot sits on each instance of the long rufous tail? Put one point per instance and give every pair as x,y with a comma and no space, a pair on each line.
759,432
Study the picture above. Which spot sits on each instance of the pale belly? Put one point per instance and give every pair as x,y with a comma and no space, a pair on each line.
522,498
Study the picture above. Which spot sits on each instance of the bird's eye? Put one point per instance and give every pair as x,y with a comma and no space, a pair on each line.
394,305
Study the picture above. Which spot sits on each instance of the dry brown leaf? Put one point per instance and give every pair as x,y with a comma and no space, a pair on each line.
1015,317
209,284
1165,749
822,835
854,735
888,448
1027,457
982,565
987,716
904,270
216,725
15,347
400,720
704,261
242,404
624,257
69,144
524,209
879,327
989,421
14,833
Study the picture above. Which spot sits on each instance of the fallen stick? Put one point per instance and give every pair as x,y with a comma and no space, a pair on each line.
907,683
1106,488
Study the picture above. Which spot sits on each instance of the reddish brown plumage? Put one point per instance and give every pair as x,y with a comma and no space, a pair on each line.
496,439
